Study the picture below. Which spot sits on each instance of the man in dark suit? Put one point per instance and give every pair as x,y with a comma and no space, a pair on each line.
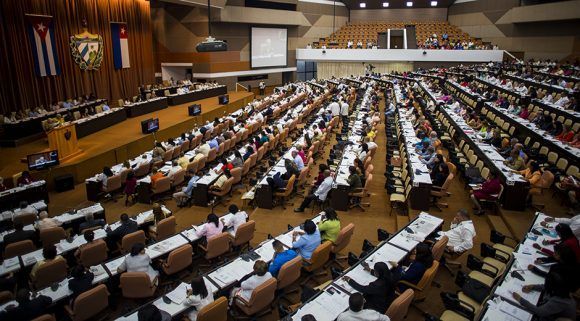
19,234
127,226
28,308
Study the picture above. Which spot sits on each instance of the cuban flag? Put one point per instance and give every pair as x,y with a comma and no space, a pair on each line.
43,45
120,38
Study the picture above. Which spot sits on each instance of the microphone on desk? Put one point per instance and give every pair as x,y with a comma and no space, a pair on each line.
516,274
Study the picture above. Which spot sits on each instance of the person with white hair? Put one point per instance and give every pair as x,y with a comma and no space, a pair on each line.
46,222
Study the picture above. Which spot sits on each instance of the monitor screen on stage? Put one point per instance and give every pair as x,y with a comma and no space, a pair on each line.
149,126
194,110
269,47
224,99
42,160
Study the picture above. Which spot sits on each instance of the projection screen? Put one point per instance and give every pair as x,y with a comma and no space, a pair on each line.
269,47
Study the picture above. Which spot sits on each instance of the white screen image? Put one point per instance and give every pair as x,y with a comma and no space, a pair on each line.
269,47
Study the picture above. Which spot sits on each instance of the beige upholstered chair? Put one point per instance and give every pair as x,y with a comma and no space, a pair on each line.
88,304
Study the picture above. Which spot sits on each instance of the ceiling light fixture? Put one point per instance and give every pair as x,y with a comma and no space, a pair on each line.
433,3
385,4
363,5
409,3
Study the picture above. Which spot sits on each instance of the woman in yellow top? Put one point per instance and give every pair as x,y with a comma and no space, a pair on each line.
50,254
329,226
533,175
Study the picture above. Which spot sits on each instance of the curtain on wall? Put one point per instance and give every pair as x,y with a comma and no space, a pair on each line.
344,69
22,87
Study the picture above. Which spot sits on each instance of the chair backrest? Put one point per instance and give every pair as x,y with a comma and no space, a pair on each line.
52,235
45,317
289,272
215,311
343,238
247,166
113,183
142,169
130,239
5,296
168,155
546,179
226,188
178,259
237,174
178,177
262,296
439,247
427,279
398,309
136,285
124,174
90,303
49,273
289,186
217,245
162,185
211,156
18,248
93,253
303,177
320,256
25,219
165,228
447,182
244,233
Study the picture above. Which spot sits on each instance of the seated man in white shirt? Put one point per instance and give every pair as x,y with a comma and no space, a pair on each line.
237,219
25,209
46,222
460,233
298,160
356,312
174,169
562,101
321,192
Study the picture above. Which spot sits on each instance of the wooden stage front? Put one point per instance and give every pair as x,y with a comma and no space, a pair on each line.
122,141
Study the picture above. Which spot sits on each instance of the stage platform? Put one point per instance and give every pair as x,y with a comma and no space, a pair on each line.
119,142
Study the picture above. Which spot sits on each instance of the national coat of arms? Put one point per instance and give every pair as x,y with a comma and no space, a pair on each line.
87,50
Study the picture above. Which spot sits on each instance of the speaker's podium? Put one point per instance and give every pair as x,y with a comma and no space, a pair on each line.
64,139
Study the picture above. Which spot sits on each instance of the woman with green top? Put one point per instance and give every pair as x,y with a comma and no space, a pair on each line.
329,226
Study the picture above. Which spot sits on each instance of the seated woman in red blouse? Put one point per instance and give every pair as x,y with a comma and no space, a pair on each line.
566,135
488,191
25,179
567,238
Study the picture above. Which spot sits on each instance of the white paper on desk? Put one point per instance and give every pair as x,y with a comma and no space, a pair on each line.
266,252
325,307
286,239
513,310
386,253
179,294
359,275
404,241
8,263
223,276
112,266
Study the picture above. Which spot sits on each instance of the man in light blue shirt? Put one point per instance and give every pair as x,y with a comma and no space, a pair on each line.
309,240
213,143
106,107
182,196
297,160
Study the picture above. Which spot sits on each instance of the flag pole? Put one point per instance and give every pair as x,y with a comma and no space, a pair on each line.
37,15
